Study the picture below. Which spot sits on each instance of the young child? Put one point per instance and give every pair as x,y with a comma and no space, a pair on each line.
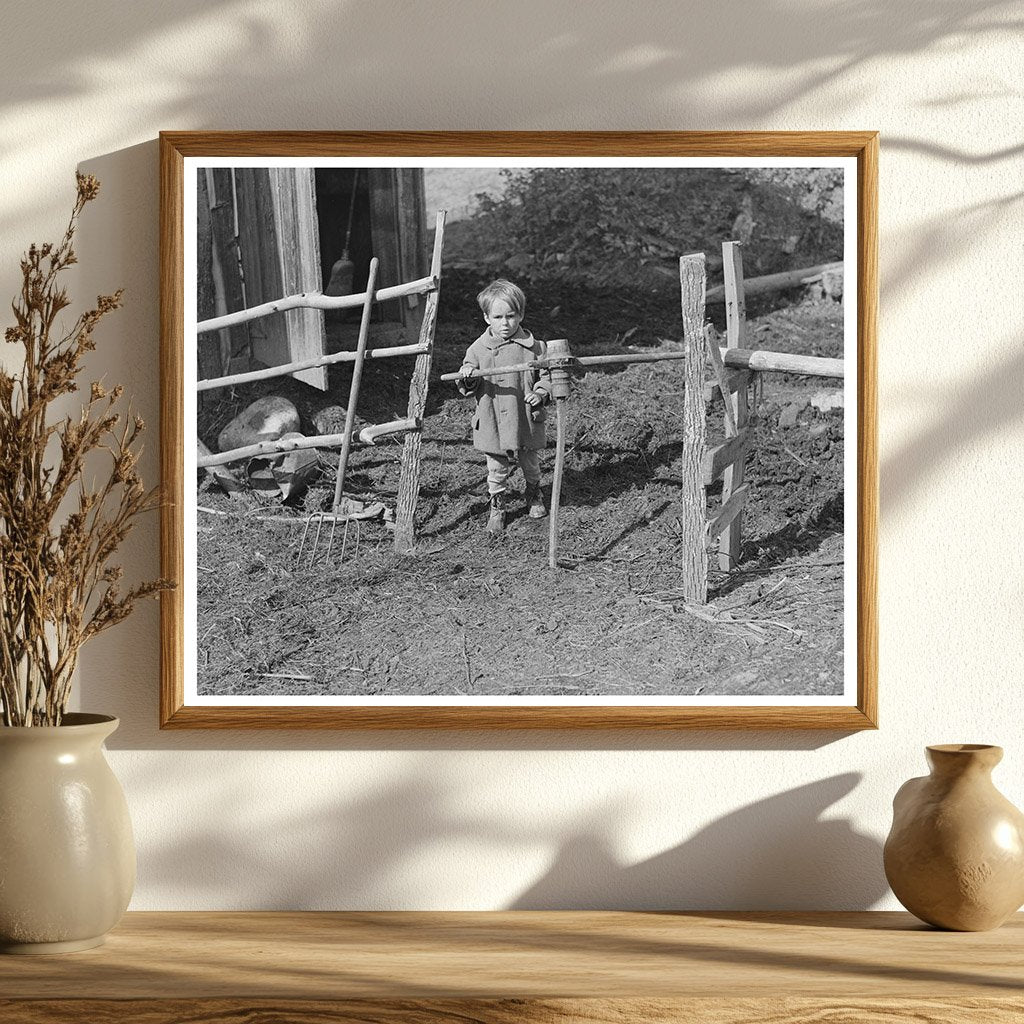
509,423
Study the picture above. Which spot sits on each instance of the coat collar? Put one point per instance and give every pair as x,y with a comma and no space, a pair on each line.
521,337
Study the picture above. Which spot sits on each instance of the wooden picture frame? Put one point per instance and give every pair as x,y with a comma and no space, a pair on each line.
179,152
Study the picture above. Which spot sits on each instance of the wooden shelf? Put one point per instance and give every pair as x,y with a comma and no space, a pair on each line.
299,968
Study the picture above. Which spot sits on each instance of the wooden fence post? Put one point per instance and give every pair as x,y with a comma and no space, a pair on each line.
692,520
731,539
409,481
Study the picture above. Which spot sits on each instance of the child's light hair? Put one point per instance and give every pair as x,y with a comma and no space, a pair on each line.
502,289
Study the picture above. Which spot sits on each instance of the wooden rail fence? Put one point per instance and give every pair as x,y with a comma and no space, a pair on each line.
409,482
735,371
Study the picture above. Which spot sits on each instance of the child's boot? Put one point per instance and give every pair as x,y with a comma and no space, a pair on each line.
535,501
496,520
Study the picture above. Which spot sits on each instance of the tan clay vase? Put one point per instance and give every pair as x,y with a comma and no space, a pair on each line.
955,855
67,856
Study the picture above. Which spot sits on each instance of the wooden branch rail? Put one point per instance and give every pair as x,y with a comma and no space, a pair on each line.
734,358
306,364
782,362
272,448
573,361
369,435
775,282
317,300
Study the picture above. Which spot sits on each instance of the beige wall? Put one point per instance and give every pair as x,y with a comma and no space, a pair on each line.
629,820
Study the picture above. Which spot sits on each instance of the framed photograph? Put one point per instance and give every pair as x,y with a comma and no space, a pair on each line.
519,430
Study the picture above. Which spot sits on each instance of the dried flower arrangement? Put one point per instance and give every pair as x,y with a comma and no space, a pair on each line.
57,586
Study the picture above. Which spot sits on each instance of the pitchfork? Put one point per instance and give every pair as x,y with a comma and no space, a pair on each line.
338,508
320,518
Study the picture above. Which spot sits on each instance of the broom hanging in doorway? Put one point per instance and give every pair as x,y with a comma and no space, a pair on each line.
343,269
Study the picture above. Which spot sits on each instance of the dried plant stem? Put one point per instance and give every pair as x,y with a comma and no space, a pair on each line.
58,587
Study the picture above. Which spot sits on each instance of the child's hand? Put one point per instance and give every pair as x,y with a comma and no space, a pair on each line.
466,382
534,400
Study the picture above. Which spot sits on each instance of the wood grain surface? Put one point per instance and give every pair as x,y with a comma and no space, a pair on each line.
537,966
175,146
515,1011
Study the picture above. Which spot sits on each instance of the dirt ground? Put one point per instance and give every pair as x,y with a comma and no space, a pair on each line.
471,615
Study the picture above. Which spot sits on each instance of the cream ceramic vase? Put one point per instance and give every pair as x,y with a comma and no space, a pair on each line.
67,855
955,855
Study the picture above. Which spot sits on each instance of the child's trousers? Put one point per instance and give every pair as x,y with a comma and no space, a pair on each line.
500,467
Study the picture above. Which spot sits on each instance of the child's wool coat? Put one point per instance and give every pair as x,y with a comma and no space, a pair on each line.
502,420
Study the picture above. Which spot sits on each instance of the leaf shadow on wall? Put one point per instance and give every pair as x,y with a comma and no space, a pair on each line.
405,843
978,407
778,853
348,853
672,56
774,855
938,244
982,409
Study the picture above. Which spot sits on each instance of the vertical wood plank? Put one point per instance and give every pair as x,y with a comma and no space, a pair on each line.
222,215
260,265
735,299
219,288
730,541
383,183
693,287
412,237
292,193
208,345
409,482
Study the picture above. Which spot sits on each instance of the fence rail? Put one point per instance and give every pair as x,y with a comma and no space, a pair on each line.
317,300
782,362
306,364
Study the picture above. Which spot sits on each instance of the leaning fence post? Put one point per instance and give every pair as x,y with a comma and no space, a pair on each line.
409,480
730,541
692,520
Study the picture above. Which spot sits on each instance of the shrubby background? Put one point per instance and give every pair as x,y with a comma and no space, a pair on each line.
612,224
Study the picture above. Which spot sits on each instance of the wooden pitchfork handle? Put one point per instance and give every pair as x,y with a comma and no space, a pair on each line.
353,392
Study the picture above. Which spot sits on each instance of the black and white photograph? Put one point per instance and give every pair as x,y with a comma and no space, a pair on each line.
520,432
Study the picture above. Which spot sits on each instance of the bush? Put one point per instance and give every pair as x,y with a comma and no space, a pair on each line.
606,224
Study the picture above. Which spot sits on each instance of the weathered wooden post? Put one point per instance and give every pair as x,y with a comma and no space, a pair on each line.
694,569
409,481
730,540
558,354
